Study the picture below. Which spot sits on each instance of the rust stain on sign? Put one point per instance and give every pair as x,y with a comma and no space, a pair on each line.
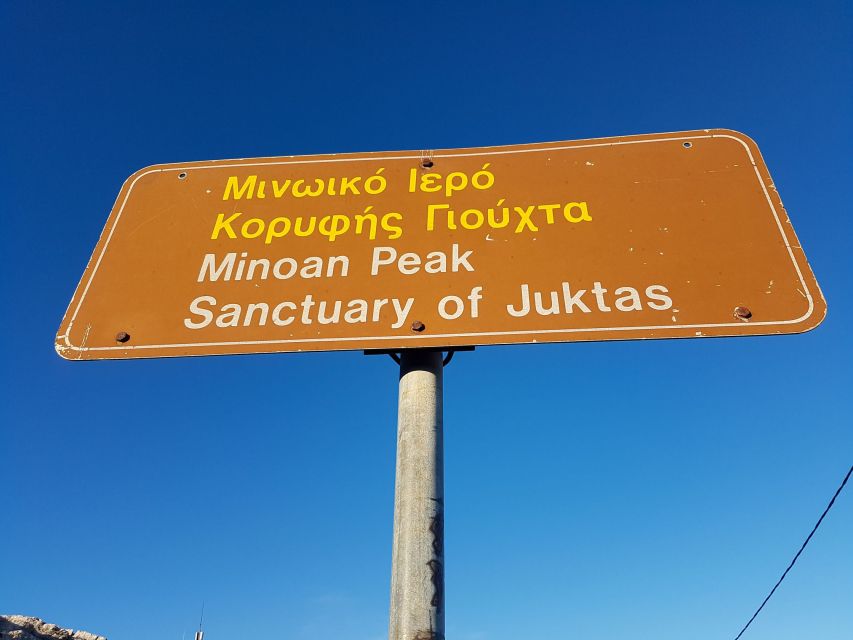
653,236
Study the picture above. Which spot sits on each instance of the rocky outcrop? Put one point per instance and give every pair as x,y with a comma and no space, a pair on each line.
24,628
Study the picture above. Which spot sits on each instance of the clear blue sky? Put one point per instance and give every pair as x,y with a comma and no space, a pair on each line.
611,490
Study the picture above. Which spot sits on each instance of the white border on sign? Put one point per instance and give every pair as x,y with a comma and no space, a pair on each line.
806,291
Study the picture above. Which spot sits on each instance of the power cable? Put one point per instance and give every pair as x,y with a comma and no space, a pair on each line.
776,586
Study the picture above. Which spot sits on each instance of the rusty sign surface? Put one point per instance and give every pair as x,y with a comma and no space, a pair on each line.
653,236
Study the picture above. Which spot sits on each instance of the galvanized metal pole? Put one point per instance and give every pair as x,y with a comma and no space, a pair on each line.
417,571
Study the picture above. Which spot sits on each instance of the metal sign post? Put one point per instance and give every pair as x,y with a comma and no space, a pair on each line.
673,235
417,572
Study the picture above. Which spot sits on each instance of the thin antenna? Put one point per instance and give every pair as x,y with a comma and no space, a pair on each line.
199,635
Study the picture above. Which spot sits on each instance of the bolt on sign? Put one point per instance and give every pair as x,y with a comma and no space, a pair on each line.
669,235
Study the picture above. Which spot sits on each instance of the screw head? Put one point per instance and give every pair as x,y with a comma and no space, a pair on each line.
418,326
743,313
122,336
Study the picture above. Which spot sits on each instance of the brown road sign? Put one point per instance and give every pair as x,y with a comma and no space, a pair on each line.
655,236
